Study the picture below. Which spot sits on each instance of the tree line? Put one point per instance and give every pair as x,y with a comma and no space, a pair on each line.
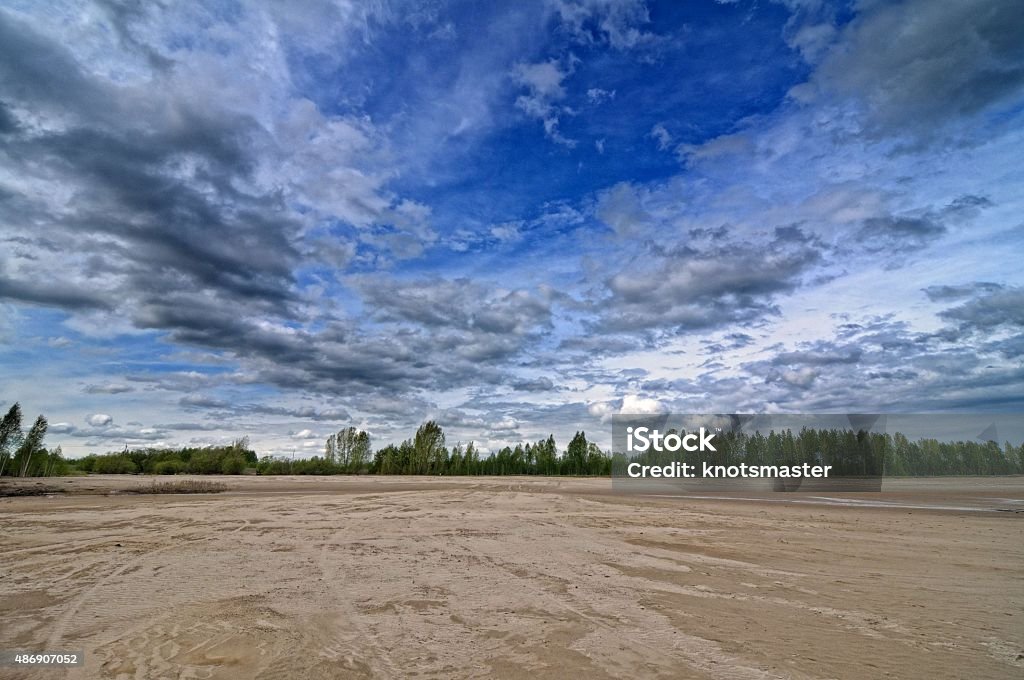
231,459
349,451
426,453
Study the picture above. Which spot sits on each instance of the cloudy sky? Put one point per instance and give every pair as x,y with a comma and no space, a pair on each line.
279,219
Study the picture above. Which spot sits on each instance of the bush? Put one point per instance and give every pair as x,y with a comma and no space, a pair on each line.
86,463
169,467
204,463
273,466
232,465
114,465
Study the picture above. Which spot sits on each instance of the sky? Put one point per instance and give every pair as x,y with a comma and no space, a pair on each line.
515,218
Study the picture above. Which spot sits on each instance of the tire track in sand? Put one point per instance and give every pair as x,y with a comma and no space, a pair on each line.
361,638
57,635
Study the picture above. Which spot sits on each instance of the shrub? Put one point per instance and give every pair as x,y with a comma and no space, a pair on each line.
169,467
273,466
232,465
114,465
204,463
184,486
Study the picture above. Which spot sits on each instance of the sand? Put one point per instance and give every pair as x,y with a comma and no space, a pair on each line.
515,578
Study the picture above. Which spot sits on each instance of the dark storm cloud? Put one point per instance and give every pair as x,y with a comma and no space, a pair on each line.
820,353
176,381
920,65
123,15
958,292
8,123
731,341
461,319
967,206
993,309
50,293
177,246
108,388
34,69
155,225
686,289
1011,348
460,304
186,427
897,374
162,225
898,233
201,402
206,403
606,343
882,363
534,385
167,237
308,412
903,233
387,362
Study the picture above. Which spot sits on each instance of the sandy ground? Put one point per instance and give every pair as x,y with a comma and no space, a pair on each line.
515,578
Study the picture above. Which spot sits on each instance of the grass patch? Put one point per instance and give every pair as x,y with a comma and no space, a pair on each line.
183,486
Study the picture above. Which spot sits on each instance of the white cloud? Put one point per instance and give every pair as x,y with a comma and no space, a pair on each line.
99,420
543,82
615,22
803,377
602,409
622,209
632,404
661,135
506,231
723,145
544,79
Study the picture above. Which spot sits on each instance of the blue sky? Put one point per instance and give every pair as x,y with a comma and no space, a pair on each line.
226,219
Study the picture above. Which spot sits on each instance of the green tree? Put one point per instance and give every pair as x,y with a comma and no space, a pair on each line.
331,448
349,448
471,460
31,445
427,448
10,434
576,455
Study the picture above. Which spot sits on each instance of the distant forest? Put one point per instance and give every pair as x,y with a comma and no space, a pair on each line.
349,452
